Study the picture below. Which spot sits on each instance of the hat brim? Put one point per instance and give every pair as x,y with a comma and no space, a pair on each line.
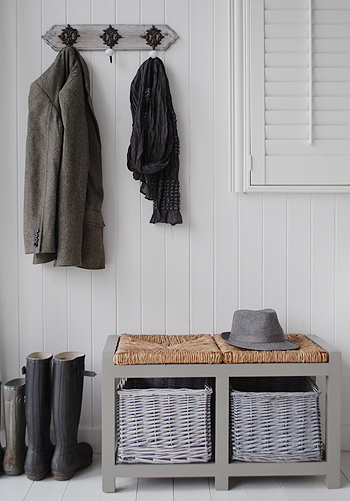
283,345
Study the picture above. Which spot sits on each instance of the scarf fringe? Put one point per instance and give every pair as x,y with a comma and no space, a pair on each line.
171,216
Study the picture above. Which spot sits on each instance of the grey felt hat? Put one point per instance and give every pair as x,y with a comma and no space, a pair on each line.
257,330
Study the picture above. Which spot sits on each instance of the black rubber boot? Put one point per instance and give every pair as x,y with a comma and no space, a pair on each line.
38,415
67,387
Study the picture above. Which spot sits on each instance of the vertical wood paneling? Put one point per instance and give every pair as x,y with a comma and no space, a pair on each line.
342,287
201,167
323,262
288,252
53,12
152,236
275,255
225,203
103,281
9,334
128,222
250,251
178,238
32,335
298,263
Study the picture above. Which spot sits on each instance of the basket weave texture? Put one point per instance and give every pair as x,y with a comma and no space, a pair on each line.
275,419
167,349
308,352
164,420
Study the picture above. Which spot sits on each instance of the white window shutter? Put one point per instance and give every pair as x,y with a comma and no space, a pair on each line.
299,86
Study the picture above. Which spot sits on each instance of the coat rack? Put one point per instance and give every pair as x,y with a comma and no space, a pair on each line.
116,37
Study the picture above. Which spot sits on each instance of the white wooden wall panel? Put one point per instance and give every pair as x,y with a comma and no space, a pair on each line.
226,241
274,257
104,284
178,239
323,264
298,263
128,223
200,212
31,279
342,289
251,252
9,306
285,251
153,262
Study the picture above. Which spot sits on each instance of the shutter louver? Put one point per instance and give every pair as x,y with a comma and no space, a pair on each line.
280,100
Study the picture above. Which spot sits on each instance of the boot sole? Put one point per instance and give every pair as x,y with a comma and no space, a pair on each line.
14,472
63,476
37,476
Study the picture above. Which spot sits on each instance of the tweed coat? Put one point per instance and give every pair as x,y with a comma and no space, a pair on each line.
63,191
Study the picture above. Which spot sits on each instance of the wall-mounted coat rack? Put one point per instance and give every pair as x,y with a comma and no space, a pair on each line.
116,36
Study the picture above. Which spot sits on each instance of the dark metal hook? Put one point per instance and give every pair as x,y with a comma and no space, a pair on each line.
69,35
153,37
110,37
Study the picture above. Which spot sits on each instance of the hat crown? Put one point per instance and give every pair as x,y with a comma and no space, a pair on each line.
260,326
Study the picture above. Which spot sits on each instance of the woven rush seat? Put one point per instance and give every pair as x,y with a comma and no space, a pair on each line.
140,349
308,352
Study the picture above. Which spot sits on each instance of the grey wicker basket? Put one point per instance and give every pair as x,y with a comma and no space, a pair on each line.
275,419
164,420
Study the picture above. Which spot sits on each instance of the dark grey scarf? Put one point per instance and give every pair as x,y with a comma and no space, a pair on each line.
153,154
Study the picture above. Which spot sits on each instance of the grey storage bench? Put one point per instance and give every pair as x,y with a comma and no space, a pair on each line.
222,468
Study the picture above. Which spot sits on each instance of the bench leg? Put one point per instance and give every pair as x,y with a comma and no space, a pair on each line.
221,483
333,403
108,483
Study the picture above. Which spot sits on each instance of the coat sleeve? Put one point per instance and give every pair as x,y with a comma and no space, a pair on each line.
74,172
43,157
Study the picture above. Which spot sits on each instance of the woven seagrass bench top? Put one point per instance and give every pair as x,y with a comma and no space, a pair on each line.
308,352
167,349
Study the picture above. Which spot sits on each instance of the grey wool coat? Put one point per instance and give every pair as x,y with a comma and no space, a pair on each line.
63,191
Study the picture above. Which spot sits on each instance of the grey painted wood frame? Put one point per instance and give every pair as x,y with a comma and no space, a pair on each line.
222,468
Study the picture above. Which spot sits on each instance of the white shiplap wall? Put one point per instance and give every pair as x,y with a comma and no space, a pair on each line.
290,252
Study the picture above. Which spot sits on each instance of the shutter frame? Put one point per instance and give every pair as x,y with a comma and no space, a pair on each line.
331,122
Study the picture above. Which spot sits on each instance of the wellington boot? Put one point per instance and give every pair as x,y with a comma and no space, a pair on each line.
1,449
38,415
67,391
15,427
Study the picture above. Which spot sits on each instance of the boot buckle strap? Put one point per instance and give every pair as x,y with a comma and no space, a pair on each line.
75,373
88,373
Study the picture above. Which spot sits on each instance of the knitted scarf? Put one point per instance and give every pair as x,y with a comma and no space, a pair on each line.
153,154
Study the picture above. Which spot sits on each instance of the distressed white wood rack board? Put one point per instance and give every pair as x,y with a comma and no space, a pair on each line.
222,468
132,36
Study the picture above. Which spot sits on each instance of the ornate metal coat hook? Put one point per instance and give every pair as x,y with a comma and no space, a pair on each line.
153,37
69,35
110,37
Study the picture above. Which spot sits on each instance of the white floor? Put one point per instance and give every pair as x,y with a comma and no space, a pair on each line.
86,486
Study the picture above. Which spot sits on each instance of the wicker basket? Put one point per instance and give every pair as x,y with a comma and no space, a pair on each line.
275,419
164,420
